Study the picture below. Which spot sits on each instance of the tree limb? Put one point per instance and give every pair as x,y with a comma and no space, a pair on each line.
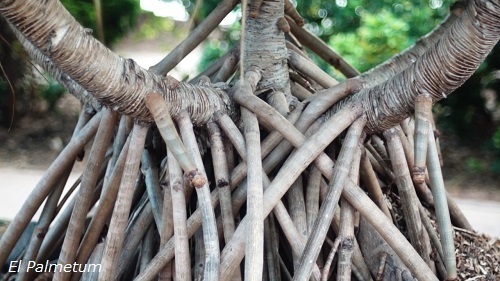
439,71
116,82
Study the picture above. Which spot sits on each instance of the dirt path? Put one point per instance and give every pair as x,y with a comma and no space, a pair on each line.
484,215
16,185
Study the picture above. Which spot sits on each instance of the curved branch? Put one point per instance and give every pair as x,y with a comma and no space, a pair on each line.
73,88
439,71
195,37
322,49
116,82
405,58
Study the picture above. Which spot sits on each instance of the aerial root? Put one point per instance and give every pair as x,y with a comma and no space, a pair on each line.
45,186
159,109
179,218
121,211
211,257
407,192
423,113
90,177
340,173
293,13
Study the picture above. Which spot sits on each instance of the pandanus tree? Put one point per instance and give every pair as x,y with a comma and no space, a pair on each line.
281,155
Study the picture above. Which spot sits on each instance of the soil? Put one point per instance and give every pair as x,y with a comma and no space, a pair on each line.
478,256
463,181
36,140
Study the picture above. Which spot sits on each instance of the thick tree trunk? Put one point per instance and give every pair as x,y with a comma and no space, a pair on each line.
270,58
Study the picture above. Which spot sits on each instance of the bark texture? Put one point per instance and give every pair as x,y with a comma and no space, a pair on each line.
270,57
116,82
122,84
439,71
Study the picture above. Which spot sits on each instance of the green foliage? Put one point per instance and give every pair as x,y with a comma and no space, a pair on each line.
378,38
495,140
474,164
326,18
118,15
367,33
491,151
14,66
207,6
215,48
51,92
154,26
212,50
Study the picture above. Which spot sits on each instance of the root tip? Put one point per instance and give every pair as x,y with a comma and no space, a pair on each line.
196,178
418,175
